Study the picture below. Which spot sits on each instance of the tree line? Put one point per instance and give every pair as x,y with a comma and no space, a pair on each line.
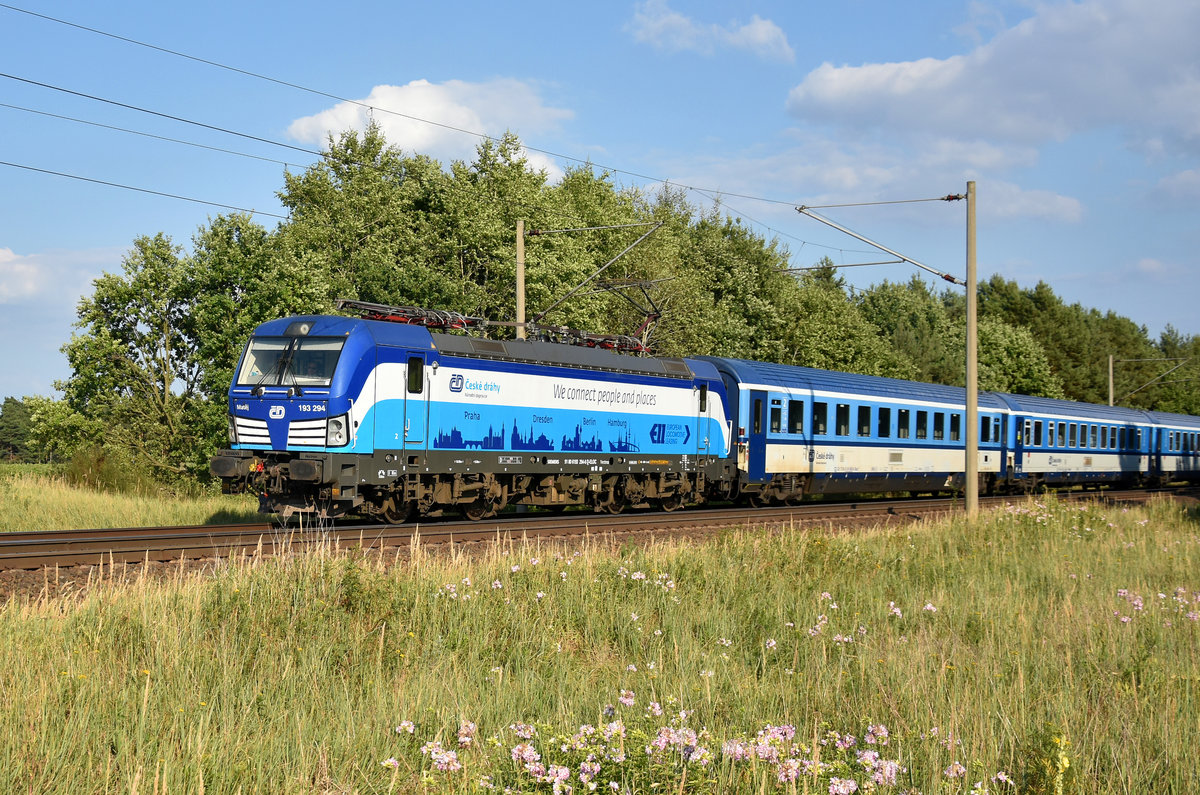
155,345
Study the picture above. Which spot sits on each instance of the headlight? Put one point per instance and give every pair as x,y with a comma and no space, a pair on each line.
335,431
232,429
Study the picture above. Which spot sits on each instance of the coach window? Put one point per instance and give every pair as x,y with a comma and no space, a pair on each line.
884,428
795,416
776,419
820,418
416,375
756,420
922,424
703,397
1050,434
985,429
1037,434
1062,434
903,423
1139,438
939,425
1093,436
1027,434
843,419
1121,438
955,427
864,420
1074,432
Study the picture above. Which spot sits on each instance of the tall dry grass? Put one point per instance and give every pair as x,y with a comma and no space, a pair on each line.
1058,645
36,501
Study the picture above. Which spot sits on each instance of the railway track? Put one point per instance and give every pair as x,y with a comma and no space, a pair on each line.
64,548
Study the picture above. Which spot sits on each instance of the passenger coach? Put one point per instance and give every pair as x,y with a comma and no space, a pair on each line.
801,431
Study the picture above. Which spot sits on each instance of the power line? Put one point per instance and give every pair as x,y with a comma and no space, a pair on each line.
141,190
707,192
373,108
149,135
320,155
160,114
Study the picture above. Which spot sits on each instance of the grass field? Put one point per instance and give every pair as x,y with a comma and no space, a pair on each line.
1047,648
35,499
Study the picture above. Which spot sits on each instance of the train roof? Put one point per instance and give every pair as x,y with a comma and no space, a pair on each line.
397,334
1072,408
810,378
526,351
558,354
1174,420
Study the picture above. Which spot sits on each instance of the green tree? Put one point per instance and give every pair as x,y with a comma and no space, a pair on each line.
134,365
1077,340
14,429
828,330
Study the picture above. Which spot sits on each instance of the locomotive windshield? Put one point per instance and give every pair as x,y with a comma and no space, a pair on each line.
286,361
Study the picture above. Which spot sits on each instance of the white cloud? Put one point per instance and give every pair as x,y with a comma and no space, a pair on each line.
1070,67
57,278
1148,266
815,169
1181,185
442,120
655,23
19,277
1000,199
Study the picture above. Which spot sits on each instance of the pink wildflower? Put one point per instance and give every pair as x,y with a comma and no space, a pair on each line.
524,752
466,733
955,770
524,730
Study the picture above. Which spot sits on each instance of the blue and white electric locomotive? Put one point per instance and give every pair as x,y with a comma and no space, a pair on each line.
333,414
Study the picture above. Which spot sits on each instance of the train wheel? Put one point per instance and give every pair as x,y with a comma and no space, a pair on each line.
671,503
395,511
477,510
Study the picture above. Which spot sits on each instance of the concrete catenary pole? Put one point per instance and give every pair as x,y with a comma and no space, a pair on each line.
972,492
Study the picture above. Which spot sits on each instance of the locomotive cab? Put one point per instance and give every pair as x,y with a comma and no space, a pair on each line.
301,409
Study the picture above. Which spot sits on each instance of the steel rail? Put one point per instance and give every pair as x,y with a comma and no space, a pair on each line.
42,549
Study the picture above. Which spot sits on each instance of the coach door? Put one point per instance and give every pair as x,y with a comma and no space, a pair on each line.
757,462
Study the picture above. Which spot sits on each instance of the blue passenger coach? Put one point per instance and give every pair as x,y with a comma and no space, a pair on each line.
1175,449
801,430
1062,442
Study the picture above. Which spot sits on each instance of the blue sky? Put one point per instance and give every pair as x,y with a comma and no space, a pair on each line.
1079,123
